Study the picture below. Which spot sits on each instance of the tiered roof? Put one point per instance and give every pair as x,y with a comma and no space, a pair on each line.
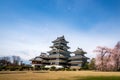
60,40
60,43
59,52
79,51
59,46
56,55
76,62
79,57
54,51
40,58
36,59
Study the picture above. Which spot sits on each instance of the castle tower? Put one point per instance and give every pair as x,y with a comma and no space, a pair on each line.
79,59
59,54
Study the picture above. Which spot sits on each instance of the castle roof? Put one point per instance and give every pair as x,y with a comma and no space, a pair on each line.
40,58
58,51
60,39
77,57
36,59
56,56
59,46
75,62
79,51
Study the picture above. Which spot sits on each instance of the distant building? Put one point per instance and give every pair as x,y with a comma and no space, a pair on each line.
59,56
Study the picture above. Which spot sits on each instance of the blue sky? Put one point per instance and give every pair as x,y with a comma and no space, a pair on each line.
27,27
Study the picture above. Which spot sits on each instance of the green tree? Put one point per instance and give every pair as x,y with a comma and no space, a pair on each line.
53,68
92,64
85,67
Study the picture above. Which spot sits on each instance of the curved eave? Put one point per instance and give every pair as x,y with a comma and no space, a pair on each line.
75,62
58,51
76,57
31,59
45,57
59,41
75,52
52,51
59,46
57,56
57,61
54,59
35,60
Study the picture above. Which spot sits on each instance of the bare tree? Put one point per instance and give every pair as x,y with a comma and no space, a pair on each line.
16,60
5,61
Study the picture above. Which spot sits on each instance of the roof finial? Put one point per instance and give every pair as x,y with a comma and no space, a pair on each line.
118,45
63,36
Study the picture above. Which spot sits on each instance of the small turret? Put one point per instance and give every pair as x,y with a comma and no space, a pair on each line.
79,59
117,45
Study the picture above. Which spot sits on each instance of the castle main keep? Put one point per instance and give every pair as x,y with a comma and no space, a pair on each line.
60,57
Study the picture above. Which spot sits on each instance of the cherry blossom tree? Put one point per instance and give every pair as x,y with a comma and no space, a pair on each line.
108,59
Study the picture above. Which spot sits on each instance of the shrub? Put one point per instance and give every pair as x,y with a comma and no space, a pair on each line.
2,68
52,68
62,69
74,69
79,69
67,69
46,68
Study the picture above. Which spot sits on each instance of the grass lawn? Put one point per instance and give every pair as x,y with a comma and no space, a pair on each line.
99,78
58,75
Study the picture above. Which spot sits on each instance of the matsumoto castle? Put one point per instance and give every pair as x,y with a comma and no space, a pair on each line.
60,57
